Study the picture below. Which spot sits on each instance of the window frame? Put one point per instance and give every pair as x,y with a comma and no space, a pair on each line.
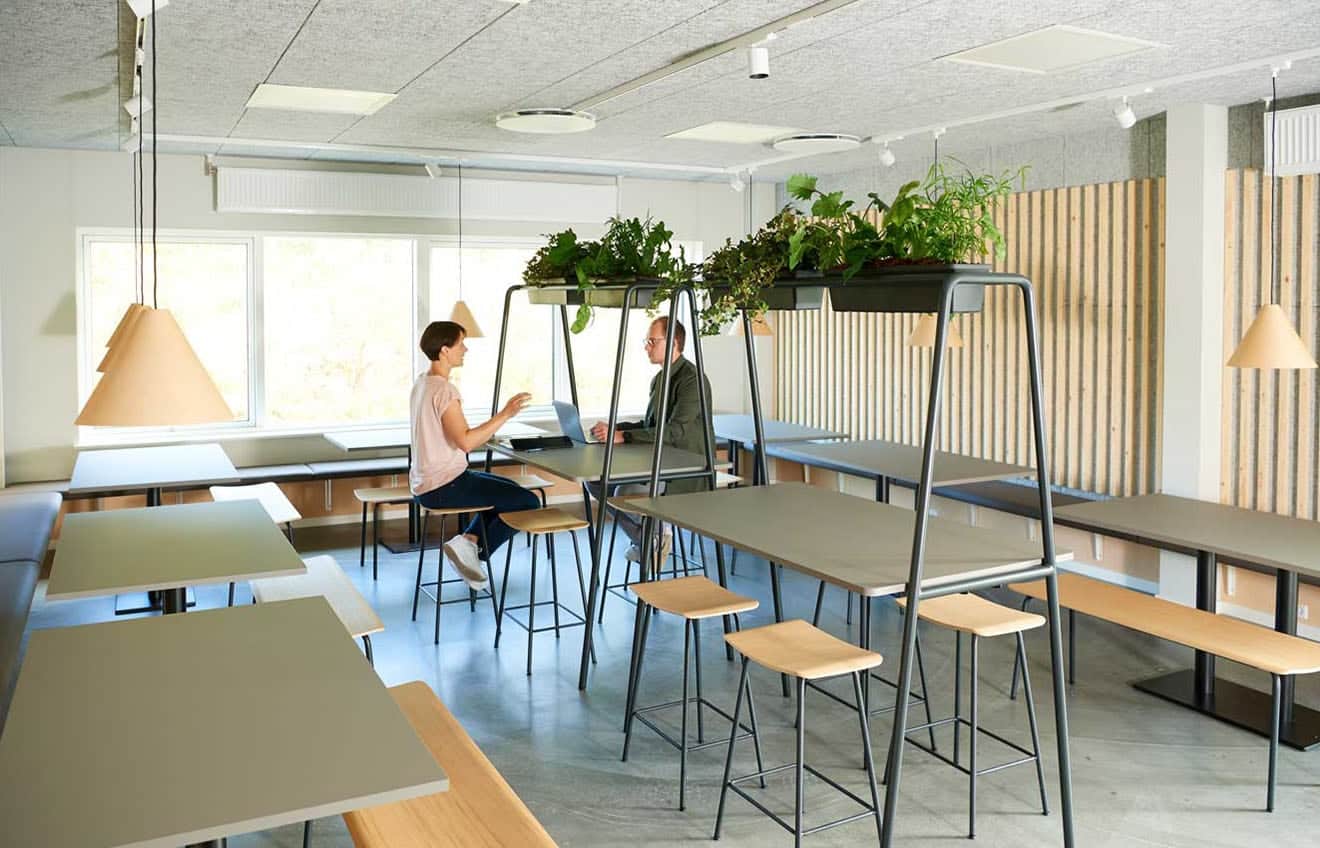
256,425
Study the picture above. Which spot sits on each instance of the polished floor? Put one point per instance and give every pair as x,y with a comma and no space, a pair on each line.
1145,772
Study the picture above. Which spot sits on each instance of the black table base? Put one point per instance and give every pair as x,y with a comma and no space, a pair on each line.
1238,705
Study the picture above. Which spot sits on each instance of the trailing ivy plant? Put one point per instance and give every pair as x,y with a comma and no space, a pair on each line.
735,276
630,248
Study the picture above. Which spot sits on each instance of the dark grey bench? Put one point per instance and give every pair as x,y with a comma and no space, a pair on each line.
26,520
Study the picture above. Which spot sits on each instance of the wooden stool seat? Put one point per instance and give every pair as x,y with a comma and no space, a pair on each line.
975,615
384,495
270,495
541,521
480,808
531,481
452,510
692,597
795,647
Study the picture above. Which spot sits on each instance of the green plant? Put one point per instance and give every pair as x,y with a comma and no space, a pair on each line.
946,218
630,248
735,276
834,237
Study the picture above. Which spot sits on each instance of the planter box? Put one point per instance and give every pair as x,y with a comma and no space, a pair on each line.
608,294
907,288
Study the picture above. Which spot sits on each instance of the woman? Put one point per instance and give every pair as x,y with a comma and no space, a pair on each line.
441,438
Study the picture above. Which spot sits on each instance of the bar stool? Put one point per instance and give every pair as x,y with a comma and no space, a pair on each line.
797,649
440,580
272,499
692,599
534,484
375,499
974,615
542,522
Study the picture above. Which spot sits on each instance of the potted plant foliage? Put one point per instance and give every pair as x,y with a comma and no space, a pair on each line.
597,273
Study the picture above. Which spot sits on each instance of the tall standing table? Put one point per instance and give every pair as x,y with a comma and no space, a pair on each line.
167,549
740,430
161,732
1287,547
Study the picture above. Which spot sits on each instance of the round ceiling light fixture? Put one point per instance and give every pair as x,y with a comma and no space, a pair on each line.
546,121
809,143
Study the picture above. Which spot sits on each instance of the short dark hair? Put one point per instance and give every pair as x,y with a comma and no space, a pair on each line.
440,334
680,334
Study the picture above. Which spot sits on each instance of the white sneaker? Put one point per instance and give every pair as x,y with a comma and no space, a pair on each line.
633,554
463,554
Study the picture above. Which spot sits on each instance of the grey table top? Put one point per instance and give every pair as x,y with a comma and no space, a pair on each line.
742,429
875,458
582,463
151,467
381,438
173,730
852,542
167,547
1263,538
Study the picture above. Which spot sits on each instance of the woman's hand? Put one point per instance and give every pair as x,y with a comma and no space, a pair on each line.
515,405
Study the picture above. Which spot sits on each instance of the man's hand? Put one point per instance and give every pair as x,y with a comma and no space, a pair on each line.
600,428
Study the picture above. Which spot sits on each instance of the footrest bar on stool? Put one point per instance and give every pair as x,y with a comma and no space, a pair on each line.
663,734
867,810
481,595
1028,757
914,699
577,622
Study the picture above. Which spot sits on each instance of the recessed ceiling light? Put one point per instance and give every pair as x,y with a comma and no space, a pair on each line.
805,143
1054,48
546,121
306,99
732,132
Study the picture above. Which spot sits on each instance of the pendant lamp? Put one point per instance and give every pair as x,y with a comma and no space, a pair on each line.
1271,341
151,375
923,335
461,314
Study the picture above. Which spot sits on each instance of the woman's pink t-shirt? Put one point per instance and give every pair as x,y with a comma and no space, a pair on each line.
435,460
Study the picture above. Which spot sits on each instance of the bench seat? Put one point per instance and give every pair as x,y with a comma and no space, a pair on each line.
480,810
1230,638
1280,654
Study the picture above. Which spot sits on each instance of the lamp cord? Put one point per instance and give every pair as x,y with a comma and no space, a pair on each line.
1274,181
460,231
155,255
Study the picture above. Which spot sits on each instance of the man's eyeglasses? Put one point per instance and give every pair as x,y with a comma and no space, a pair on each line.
650,342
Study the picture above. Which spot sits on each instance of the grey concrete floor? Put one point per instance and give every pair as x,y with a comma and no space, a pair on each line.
1145,772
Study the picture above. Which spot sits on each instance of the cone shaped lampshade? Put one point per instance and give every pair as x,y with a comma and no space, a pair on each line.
1271,342
760,327
155,380
923,335
122,330
463,315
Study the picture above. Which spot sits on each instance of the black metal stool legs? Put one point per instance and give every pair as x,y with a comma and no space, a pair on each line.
1031,719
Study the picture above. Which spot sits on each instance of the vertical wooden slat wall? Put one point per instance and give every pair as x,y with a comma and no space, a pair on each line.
1095,255
1271,419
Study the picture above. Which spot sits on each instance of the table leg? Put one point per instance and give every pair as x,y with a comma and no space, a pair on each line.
724,583
174,600
1207,590
882,489
1285,621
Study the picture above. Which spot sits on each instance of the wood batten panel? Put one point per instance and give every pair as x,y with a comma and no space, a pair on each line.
1095,255
1271,419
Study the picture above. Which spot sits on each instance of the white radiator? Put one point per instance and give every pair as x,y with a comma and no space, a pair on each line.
292,192
1299,141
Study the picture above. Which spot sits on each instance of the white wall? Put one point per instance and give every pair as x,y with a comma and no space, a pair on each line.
46,195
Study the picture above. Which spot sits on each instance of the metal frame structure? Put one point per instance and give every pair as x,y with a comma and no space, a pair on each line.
629,298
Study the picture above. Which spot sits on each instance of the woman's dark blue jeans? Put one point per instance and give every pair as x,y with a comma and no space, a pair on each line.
477,489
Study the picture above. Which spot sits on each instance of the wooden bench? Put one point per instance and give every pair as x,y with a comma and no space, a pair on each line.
1279,654
480,810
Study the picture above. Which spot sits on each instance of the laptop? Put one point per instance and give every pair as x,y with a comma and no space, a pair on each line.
570,423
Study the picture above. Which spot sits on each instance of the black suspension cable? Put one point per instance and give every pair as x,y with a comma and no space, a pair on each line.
155,256
460,231
1274,181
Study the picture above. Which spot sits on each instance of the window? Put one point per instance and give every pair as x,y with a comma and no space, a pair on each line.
488,270
313,332
338,319
205,285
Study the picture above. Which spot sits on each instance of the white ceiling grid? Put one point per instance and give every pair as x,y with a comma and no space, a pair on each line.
867,68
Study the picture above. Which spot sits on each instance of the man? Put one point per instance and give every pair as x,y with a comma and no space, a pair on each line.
683,429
